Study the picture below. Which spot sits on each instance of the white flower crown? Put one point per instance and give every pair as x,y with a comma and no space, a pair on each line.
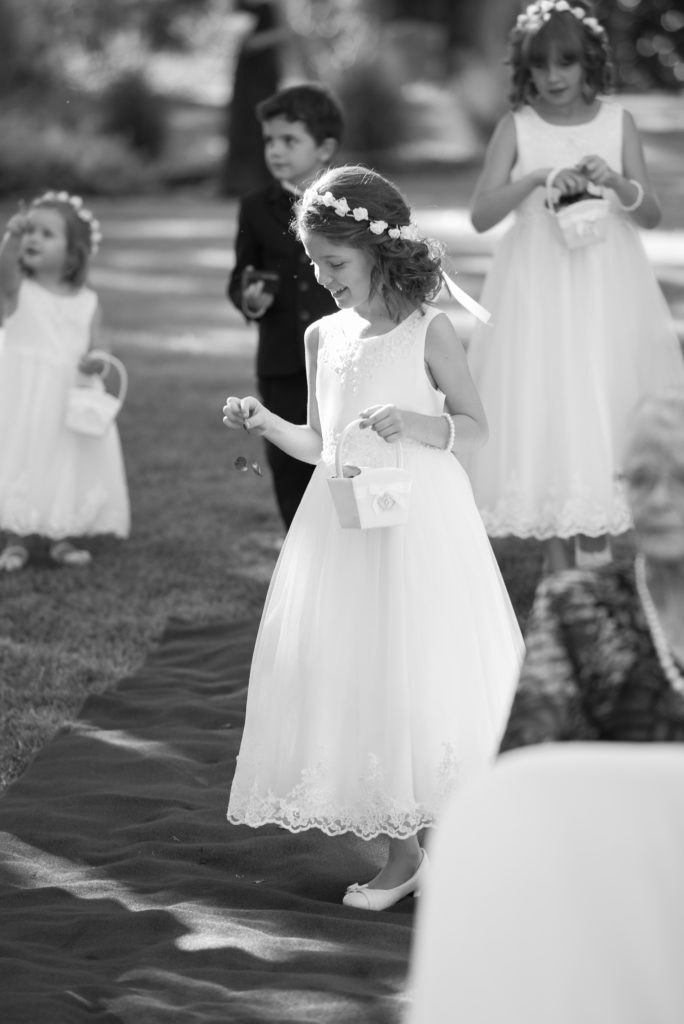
537,14
84,214
360,213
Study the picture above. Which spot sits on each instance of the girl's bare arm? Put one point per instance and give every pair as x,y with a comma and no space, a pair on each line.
301,442
10,269
495,194
446,362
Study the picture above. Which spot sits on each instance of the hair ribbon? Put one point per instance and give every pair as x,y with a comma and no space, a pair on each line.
465,300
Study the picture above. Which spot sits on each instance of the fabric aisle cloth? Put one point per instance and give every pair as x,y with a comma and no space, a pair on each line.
125,898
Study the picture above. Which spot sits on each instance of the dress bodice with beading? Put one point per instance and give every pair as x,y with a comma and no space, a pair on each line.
542,144
355,373
51,326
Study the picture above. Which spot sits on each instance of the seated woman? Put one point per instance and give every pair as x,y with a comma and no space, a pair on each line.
605,648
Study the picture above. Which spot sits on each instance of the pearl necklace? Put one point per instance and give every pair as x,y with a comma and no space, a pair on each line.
662,648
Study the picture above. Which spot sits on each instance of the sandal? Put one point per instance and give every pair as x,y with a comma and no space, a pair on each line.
64,553
13,558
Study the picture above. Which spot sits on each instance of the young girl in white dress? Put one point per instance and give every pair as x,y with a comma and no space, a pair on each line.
54,482
578,336
385,659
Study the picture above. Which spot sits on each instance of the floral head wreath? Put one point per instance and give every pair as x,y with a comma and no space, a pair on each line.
537,14
82,212
403,231
360,214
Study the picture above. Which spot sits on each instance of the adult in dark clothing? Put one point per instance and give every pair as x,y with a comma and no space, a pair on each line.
301,127
257,76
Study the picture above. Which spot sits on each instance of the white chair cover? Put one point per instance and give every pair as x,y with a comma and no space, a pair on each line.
557,892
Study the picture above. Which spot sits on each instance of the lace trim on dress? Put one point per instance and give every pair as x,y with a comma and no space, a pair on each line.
366,448
349,357
515,515
19,515
312,802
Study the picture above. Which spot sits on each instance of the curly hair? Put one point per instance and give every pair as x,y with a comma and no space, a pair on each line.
566,35
404,269
78,240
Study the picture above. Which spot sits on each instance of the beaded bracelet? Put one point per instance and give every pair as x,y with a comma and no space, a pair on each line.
452,432
639,197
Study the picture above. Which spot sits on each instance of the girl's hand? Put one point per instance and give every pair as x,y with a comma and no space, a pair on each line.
386,420
18,222
569,181
597,171
246,413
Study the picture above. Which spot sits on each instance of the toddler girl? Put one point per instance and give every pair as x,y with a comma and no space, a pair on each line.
53,482
578,335
386,658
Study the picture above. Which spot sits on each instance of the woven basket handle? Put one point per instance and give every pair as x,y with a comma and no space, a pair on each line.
398,450
107,357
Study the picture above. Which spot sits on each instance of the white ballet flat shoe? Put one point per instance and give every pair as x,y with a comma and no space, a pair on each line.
363,898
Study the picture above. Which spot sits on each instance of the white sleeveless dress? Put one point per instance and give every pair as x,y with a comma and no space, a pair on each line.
577,338
53,482
386,659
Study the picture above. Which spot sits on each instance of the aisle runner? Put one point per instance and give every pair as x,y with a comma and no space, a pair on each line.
126,897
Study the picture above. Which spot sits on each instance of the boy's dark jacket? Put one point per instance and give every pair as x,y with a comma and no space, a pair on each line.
264,241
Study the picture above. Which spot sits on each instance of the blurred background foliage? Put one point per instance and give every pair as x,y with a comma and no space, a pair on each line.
137,95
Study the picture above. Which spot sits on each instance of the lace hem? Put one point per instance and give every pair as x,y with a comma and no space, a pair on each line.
559,515
503,524
290,819
313,802
20,515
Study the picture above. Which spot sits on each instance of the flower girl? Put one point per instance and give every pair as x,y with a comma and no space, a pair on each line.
581,331
386,658
53,482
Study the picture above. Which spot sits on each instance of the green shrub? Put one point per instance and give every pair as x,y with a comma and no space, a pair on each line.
36,156
374,107
130,109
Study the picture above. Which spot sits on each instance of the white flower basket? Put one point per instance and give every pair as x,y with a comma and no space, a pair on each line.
582,223
377,496
90,409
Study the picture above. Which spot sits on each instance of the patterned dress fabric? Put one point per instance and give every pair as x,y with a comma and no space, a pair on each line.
591,671
386,659
53,481
577,338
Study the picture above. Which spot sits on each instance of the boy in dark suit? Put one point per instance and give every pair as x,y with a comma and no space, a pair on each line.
302,126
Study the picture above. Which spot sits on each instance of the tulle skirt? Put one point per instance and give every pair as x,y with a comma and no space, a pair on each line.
54,482
577,338
384,665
